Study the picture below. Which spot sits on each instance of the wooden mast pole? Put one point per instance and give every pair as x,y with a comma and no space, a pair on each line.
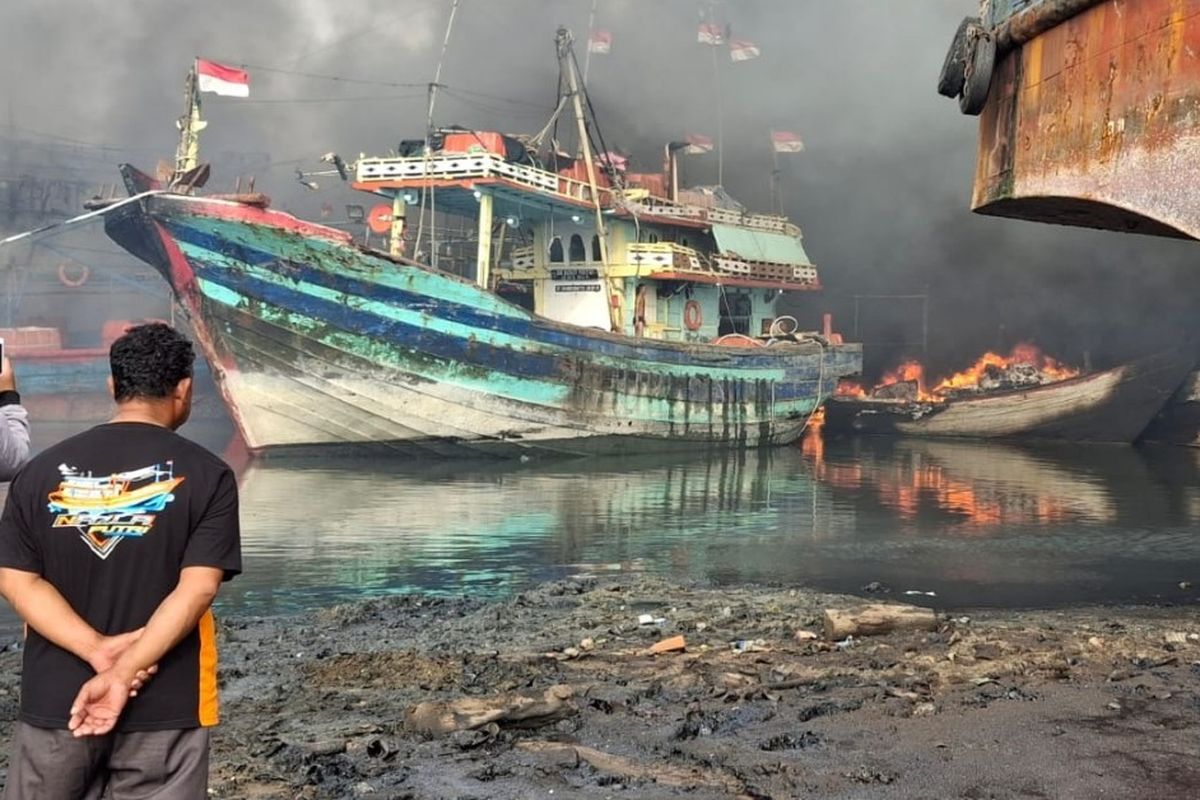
187,155
567,63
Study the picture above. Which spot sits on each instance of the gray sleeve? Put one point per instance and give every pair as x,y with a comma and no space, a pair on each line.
14,440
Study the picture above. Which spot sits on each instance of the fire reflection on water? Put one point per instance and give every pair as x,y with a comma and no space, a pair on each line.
981,486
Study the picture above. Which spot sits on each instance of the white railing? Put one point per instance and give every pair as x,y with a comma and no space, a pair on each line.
664,255
762,222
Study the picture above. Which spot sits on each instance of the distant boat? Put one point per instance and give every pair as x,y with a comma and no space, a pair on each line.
641,316
1114,405
1179,421
70,384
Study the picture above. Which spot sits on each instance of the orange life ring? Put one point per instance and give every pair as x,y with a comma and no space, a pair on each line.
73,281
693,317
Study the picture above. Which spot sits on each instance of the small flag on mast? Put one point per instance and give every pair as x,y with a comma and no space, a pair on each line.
697,144
220,79
743,50
786,142
710,33
600,42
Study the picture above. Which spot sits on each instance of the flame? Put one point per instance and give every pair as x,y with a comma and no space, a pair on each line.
1049,369
813,442
847,388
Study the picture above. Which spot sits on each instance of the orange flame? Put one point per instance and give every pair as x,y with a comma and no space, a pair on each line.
1049,369
847,388
1024,353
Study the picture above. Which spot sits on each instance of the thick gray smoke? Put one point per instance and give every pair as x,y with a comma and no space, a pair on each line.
882,190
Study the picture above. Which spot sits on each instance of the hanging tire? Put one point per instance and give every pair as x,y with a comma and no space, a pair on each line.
954,69
978,76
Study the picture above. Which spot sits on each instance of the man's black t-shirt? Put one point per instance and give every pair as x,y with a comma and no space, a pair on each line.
109,518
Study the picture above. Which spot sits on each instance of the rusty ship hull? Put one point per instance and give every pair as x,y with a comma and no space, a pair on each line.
1093,115
1112,406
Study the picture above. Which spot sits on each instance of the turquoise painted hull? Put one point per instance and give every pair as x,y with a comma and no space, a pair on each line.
317,342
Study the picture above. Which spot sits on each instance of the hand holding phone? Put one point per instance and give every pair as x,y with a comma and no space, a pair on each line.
8,381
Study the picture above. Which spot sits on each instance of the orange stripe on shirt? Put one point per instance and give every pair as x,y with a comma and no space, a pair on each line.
209,713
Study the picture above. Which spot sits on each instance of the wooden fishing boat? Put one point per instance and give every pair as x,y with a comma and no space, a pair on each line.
627,315
1114,405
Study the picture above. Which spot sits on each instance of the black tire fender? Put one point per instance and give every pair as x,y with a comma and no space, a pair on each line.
978,75
954,69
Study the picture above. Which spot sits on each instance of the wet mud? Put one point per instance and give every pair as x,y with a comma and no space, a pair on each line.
556,693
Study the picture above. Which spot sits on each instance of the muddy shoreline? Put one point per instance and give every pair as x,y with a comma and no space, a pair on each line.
1032,704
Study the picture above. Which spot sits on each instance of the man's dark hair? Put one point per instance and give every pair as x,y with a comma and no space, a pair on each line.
149,361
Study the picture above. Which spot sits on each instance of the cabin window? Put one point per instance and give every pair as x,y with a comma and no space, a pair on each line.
736,311
577,251
596,248
556,250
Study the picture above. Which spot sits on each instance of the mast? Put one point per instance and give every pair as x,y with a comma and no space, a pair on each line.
566,60
433,87
187,156
591,29
712,17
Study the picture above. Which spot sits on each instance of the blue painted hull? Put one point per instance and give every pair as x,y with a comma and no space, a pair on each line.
317,342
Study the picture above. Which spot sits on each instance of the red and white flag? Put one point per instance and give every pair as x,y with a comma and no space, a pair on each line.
600,42
786,142
710,33
743,50
220,79
698,145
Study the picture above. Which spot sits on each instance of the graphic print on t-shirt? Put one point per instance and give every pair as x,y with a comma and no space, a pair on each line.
109,508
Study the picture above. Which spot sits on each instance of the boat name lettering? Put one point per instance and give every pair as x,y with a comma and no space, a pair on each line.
578,287
574,275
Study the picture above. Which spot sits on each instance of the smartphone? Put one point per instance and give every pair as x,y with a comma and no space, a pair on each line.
1,354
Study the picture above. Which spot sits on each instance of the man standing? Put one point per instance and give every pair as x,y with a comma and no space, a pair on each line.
14,424
113,544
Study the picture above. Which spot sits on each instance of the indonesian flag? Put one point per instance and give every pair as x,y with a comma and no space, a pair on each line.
743,50
697,144
613,160
220,79
600,42
710,33
786,142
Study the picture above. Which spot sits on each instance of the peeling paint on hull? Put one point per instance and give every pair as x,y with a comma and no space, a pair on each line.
316,342
1096,122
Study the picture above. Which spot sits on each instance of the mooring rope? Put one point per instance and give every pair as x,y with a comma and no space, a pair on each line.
99,212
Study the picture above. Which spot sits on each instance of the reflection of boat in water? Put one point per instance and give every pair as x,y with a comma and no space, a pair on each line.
1179,421
1110,406
982,487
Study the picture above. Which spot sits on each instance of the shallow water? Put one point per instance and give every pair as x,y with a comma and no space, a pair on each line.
976,524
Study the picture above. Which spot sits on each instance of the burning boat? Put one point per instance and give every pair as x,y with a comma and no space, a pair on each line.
641,316
1023,395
